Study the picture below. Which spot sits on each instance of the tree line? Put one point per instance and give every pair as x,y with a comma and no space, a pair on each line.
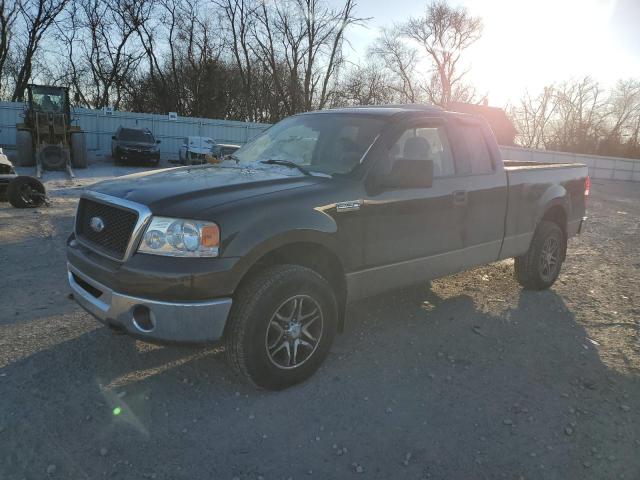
259,60
580,116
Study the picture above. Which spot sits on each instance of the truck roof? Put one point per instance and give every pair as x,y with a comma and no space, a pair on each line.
388,110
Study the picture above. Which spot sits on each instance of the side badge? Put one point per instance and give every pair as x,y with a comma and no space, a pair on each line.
350,206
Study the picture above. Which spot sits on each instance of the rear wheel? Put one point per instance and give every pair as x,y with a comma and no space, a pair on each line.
540,266
26,192
281,326
24,146
78,150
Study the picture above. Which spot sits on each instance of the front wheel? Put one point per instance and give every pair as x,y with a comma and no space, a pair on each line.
281,326
539,268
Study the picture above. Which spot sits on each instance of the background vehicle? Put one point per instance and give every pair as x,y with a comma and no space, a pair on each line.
21,191
46,138
221,150
7,173
194,150
321,209
199,150
135,145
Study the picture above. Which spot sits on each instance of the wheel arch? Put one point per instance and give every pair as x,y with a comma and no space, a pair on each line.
556,213
310,254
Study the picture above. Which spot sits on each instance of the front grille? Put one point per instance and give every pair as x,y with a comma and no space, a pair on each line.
118,226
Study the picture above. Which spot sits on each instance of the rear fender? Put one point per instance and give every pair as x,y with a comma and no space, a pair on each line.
556,195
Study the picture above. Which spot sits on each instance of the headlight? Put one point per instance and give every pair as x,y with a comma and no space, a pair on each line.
176,237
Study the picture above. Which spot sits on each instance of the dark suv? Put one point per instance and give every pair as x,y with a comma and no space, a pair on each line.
135,144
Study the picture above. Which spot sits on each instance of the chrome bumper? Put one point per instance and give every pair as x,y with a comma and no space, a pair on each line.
192,322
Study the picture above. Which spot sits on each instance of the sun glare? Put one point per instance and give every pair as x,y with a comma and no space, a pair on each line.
529,44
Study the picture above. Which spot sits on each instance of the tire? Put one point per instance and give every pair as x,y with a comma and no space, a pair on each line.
253,344
26,192
53,157
539,268
24,147
78,150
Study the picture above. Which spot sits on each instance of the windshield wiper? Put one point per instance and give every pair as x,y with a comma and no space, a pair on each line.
287,163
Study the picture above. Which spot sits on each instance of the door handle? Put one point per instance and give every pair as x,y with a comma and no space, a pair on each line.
460,198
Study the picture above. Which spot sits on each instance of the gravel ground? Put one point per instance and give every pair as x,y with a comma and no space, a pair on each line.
470,377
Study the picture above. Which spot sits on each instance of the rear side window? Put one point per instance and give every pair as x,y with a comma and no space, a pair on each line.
477,150
425,143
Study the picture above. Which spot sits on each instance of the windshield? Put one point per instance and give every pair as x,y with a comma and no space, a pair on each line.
130,135
48,99
323,142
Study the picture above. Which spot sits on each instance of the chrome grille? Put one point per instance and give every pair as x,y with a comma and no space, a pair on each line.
119,224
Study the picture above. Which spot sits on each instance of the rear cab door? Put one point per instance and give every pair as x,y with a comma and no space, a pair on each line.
483,200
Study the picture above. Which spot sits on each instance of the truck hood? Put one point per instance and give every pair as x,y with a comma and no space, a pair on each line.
189,191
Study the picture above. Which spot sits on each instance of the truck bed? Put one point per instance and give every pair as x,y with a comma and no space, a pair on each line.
531,184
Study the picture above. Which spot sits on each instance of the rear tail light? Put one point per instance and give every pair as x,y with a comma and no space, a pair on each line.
587,186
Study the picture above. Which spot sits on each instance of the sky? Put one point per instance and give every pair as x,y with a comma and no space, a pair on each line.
527,44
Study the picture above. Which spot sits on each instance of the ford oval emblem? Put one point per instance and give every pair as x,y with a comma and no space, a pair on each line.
96,224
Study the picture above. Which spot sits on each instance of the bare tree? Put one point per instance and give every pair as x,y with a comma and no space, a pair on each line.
109,53
400,60
624,105
238,22
445,33
365,85
8,14
71,71
581,115
37,16
299,43
531,117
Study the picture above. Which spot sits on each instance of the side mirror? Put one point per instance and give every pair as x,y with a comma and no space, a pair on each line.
113,137
157,141
407,173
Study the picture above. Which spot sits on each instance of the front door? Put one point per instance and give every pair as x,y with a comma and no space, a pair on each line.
411,233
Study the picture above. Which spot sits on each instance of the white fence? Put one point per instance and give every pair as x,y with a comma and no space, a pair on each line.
599,167
100,126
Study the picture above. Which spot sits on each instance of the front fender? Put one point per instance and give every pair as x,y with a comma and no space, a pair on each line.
269,232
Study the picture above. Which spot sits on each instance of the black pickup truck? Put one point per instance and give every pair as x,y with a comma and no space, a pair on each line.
264,250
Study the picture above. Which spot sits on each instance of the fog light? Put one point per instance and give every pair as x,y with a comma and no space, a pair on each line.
143,318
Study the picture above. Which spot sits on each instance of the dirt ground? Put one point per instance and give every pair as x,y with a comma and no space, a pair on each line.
468,378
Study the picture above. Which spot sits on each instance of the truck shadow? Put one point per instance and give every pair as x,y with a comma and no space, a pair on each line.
472,391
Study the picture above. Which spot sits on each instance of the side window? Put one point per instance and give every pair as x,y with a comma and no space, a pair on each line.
425,143
479,155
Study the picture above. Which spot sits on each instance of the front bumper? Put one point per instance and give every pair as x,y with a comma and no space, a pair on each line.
163,322
138,156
